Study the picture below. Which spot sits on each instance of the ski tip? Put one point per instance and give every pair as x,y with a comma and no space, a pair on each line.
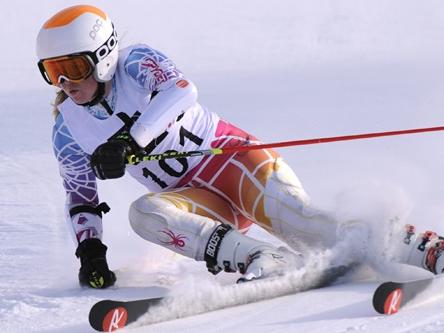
115,318
104,318
388,298
393,302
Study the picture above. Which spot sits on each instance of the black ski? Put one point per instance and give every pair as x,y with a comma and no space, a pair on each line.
108,315
390,296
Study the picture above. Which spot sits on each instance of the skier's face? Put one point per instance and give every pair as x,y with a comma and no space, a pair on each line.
81,92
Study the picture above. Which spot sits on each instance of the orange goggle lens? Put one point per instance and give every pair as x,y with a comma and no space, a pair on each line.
74,68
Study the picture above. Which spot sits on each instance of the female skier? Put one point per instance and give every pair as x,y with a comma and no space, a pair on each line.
113,104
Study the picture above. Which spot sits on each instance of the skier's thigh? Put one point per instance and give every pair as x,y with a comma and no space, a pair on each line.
193,200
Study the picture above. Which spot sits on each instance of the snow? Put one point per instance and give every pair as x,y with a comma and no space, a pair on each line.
282,70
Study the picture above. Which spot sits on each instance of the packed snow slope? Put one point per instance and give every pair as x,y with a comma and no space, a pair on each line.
282,70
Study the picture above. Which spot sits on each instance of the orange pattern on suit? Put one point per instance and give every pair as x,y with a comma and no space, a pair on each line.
227,188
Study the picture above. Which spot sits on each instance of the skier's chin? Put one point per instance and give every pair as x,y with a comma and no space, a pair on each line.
78,98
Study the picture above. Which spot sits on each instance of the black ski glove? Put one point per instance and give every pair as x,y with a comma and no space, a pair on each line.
109,159
94,271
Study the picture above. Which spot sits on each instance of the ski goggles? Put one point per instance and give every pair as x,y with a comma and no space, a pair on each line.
75,67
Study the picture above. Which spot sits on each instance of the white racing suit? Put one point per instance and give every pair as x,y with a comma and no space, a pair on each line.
187,199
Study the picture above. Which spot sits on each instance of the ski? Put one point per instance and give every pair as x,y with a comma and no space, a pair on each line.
390,296
111,315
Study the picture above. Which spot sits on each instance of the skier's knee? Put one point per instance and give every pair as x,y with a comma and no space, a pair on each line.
283,188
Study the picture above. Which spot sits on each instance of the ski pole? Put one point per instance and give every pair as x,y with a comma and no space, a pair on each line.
134,159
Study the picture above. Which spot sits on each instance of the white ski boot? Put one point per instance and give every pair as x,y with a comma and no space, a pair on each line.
425,250
229,250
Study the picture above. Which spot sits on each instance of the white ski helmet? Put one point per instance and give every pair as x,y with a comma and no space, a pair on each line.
81,30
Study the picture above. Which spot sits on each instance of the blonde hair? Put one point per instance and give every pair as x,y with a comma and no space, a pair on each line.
61,96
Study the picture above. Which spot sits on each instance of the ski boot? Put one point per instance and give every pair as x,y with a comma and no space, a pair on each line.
229,250
425,250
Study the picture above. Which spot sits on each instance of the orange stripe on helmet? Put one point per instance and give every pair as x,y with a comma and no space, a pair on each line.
69,14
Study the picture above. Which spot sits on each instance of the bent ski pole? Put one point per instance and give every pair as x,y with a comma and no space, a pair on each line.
134,159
